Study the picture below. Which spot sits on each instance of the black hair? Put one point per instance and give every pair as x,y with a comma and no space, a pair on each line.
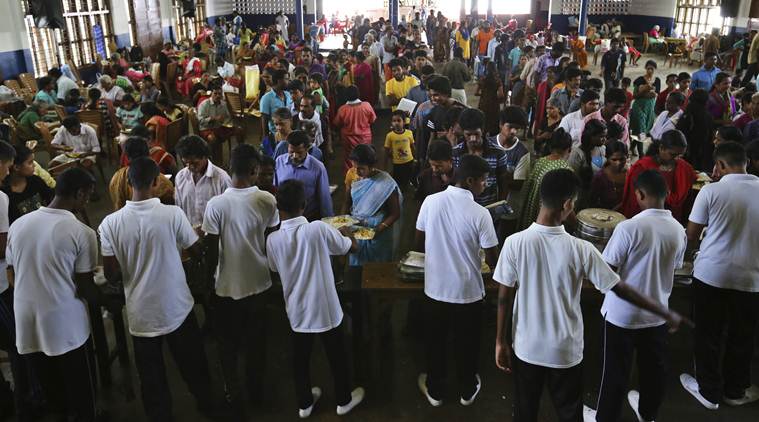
572,73
683,76
626,81
589,95
359,55
55,72
282,113
678,96
669,139
163,100
615,95
557,187
44,81
72,181
244,160
291,196
752,150
94,94
400,113
142,172
140,131
428,69
70,122
746,97
651,63
420,53
296,85
614,147
278,75
22,154
472,166
148,78
732,153
561,140
351,93
192,146
297,138
300,70
440,84
558,47
451,117
721,76
471,119
317,77
127,98
364,154
514,116
440,151
651,182
699,97
7,152
396,63
614,131
136,147
267,161
730,133
671,75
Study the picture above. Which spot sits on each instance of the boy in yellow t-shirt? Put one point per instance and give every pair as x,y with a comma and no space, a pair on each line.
399,143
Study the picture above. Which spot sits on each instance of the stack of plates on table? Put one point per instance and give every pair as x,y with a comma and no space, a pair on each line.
684,275
411,266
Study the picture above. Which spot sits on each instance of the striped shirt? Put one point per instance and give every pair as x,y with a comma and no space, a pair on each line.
497,161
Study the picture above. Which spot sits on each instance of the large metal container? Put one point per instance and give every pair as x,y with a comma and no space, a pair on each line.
596,225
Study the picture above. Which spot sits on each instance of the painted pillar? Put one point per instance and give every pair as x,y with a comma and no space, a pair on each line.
299,18
393,13
583,17
474,9
490,11
462,16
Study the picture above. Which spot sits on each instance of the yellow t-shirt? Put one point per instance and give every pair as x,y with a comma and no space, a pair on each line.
400,89
400,144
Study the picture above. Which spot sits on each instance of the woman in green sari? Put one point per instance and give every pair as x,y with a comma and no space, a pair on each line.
642,115
375,200
560,145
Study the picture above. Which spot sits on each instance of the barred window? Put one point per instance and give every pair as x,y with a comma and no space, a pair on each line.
697,17
188,27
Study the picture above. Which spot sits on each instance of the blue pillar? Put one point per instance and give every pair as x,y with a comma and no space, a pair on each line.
298,19
394,13
474,9
490,11
583,17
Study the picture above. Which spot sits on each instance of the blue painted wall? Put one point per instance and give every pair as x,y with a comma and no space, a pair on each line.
14,62
122,40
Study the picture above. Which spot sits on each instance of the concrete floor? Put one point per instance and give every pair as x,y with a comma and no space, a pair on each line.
388,358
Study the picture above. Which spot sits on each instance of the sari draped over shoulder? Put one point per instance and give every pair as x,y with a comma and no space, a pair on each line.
369,197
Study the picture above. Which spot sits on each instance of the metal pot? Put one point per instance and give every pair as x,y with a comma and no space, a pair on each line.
596,225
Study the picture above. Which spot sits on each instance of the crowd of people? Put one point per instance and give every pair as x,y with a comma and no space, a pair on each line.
506,179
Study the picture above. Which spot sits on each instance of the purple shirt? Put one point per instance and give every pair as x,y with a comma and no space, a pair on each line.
313,174
317,68
751,131
544,62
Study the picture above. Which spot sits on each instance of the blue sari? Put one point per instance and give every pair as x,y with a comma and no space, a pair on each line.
369,197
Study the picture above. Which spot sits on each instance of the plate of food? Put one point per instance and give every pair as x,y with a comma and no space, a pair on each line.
363,233
702,179
340,221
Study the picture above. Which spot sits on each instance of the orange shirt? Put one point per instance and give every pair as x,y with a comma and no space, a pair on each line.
483,38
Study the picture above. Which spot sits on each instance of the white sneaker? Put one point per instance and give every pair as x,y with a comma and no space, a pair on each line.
588,414
476,391
304,413
633,397
421,381
691,385
750,395
357,396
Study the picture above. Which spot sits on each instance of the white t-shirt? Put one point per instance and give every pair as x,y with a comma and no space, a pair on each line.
646,250
573,123
547,266
455,229
64,85
86,141
3,229
239,217
46,248
299,251
145,237
192,197
730,210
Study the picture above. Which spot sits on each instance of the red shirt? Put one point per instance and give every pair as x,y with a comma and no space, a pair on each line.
626,110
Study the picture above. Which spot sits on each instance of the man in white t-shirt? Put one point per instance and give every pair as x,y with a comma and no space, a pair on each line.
199,181
140,246
77,143
574,122
451,230
645,250
283,24
300,252
235,224
52,279
541,272
726,282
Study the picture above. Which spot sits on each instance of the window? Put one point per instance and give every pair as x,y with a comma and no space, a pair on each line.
131,21
75,42
189,27
697,17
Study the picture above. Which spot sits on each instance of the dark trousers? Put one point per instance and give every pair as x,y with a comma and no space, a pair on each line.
334,347
26,387
650,344
186,347
465,321
241,327
751,71
717,311
402,173
564,386
68,382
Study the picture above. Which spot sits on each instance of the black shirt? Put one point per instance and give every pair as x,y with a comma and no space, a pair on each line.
36,195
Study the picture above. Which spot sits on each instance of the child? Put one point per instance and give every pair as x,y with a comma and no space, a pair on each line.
312,305
128,114
399,144
149,92
315,84
671,82
346,42
73,101
632,51
614,132
626,82
266,175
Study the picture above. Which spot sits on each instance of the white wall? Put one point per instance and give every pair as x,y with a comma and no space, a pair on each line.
12,28
219,7
119,17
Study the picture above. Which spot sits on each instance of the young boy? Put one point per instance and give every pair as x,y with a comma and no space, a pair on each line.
315,84
235,224
661,99
399,144
625,84
300,252
547,329
128,113
645,250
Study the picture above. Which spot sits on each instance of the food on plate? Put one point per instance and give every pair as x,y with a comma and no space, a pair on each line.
340,221
364,233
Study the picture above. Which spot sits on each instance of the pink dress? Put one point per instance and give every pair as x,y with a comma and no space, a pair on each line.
354,121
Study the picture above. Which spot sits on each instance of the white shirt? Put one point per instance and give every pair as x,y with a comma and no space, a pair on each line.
664,123
455,229
192,197
3,229
299,251
116,93
492,44
86,141
573,123
63,86
239,217
730,210
547,266
145,237
319,138
646,250
46,248
390,42
283,24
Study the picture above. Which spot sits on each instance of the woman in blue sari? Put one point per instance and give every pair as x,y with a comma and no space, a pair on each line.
375,200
